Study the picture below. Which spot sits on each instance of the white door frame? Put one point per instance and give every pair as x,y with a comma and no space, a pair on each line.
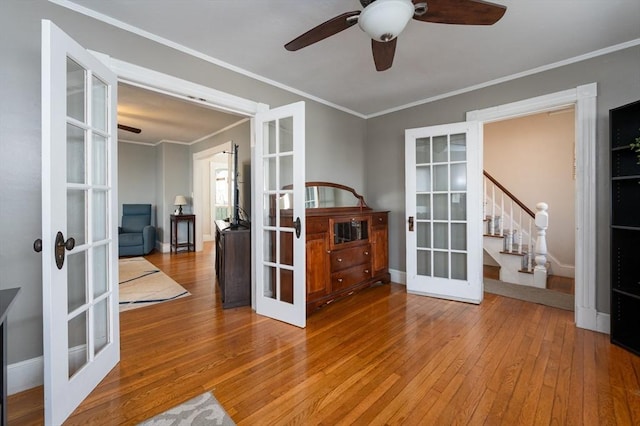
200,165
192,92
584,99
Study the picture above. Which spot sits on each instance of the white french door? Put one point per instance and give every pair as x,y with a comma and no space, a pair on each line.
79,223
279,191
443,172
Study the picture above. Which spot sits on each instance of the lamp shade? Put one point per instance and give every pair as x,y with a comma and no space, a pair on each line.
180,200
383,20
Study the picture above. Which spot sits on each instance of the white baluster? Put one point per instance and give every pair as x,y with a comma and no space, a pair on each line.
511,227
493,210
520,234
502,214
530,251
542,223
484,204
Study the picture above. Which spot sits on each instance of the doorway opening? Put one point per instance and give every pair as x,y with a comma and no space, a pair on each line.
584,100
533,158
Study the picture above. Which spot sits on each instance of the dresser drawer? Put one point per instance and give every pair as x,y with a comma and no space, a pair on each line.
346,258
348,277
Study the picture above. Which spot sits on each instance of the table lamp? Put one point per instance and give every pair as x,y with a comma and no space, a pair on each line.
180,201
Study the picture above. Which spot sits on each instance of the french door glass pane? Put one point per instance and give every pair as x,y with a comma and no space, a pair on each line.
440,206
459,266
99,209
75,90
286,170
459,236
423,150
441,177
423,234
286,248
286,134
100,163
286,285
458,177
441,235
423,206
76,221
458,147
269,246
271,173
440,149
78,354
270,138
423,258
100,270
459,206
100,325
269,282
441,264
423,178
75,154
77,278
99,104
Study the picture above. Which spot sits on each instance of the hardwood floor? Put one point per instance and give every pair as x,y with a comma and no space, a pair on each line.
380,356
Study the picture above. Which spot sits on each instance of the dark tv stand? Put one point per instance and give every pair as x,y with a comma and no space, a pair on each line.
233,263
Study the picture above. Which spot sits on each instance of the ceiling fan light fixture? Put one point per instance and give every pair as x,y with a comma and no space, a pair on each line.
383,20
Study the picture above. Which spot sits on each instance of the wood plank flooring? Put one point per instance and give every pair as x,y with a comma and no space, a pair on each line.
380,356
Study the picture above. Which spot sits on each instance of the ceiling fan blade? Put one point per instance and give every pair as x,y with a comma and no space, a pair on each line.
461,12
383,52
129,128
322,31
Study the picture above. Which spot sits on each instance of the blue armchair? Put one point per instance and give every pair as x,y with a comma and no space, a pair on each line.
136,236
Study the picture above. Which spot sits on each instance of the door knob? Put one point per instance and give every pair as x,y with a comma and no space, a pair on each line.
37,245
61,246
410,223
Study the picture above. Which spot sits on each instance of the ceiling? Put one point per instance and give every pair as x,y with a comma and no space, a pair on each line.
164,118
431,61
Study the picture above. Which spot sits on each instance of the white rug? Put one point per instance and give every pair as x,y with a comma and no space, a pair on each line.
203,410
142,284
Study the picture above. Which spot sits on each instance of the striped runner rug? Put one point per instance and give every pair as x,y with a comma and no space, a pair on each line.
142,284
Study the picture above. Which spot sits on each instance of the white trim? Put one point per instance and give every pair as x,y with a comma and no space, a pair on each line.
584,98
25,375
398,277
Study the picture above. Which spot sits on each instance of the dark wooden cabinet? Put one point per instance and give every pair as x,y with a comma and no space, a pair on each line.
346,251
625,228
233,264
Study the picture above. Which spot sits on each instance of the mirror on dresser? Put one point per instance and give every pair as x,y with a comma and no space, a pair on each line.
347,242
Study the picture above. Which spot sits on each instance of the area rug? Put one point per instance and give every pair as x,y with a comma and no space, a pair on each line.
142,284
530,294
199,411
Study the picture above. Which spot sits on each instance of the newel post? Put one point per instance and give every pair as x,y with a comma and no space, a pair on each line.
542,223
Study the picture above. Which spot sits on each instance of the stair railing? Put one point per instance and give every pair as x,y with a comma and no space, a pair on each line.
510,218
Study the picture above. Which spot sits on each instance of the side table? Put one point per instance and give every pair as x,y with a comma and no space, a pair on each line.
190,244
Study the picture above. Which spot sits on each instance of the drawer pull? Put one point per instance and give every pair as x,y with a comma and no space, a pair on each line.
366,253
379,219
366,271
339,280
339,259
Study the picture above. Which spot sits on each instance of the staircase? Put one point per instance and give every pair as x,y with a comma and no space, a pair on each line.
514,236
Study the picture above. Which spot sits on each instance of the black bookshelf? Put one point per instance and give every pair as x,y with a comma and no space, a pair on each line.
624,125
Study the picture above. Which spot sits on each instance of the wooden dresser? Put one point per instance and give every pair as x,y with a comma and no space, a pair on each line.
347,246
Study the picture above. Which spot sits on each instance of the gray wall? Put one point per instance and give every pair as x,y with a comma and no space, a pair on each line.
618,78
136,176
334,141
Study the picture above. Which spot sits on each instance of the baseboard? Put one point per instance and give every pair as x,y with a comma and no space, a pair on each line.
25,375
603,323
163,247
398,277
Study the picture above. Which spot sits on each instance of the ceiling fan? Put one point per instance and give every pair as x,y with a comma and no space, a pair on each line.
129,128
383,20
